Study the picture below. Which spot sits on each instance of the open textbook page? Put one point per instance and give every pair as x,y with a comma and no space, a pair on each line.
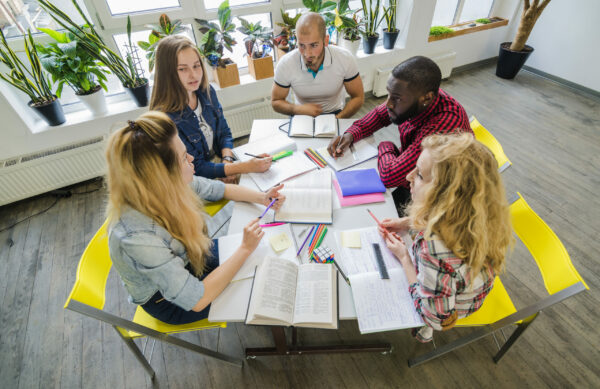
308,199
322,126
316,296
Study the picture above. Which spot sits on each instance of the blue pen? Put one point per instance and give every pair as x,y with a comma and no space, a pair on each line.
268,207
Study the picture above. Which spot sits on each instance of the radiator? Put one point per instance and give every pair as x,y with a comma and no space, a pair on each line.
30,175
240,118
445,62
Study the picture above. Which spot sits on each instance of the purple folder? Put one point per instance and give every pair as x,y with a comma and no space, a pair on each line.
358,182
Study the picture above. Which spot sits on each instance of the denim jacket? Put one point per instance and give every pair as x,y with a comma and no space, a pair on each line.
195,143
148,259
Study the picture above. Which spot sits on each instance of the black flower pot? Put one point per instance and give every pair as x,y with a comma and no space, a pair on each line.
389,38
510,62
51,112
369,43
139,94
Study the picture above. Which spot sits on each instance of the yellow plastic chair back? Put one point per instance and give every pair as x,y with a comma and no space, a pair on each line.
143,318
92,272
497,305
212,208
548,251
485,137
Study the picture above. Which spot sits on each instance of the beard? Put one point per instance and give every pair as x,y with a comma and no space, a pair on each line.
412,111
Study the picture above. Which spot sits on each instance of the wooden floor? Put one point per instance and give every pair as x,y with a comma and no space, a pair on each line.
552,136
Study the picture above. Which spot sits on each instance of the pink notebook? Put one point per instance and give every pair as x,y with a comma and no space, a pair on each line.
357,199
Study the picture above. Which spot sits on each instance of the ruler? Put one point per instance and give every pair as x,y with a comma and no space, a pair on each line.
380,263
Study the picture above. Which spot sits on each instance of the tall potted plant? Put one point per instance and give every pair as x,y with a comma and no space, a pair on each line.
127,71
68,63
286,40
31,80
369,24
390,34
216,38
165,27
346,24
258,42
513,54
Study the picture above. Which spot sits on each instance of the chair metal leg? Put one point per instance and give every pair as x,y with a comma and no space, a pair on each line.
136,352
515,335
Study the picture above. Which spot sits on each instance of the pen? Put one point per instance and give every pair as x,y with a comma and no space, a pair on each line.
303,232
268,207
341,272
303,243
271,224
352,151
376,220
256,156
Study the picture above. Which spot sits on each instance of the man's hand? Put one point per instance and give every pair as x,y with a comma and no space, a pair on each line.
339,144
310,109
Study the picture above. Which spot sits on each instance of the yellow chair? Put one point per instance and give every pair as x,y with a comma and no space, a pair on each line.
561,280
89,295
485,137
212,208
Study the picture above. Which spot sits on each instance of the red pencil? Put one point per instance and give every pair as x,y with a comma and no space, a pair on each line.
312,158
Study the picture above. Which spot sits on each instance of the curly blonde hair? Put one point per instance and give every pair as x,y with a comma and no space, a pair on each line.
465,204
144,173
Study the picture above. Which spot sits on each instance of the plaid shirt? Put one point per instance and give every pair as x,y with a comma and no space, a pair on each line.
444,285
443,116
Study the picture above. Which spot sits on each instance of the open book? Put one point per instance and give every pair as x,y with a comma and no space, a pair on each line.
322,126
285,293
280,170
363,151
308,199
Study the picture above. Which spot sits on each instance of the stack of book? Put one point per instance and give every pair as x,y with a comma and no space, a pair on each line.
354,187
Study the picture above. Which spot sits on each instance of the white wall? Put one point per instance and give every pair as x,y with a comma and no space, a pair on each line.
20,135
565,40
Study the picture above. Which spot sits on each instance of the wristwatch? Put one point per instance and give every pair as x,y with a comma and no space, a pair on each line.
228,158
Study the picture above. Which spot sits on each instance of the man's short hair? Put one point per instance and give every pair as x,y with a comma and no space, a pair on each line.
422,74
309,21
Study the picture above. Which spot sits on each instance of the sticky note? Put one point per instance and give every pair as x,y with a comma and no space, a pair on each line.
280,242
351,239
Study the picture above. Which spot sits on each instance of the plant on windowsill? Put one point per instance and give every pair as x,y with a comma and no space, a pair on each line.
483,21
31,80
127,71
513,54
346,24
369,24
216,38
286,40
68,63
441,31
390,34
165,27
258,43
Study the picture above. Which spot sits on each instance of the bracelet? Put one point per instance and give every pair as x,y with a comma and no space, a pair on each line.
228,158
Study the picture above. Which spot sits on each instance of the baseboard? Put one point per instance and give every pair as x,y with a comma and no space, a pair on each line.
475,65
562,81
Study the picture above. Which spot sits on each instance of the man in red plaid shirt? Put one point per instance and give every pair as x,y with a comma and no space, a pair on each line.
420,108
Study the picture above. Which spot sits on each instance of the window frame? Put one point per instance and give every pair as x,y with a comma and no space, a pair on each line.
459,9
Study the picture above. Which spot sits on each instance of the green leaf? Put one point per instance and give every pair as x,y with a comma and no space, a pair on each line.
143,45
57,36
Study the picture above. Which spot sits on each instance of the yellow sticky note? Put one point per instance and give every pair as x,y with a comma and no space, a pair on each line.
351,239
280,242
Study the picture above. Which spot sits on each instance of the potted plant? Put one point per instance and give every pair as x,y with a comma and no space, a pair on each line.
164,28
286,40
390,34
346,24
258,46
440,31
216,38
325,8
31,80
513,54
127,71
68,63
369,25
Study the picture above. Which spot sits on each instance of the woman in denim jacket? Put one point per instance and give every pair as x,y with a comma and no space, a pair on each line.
181,90
157,235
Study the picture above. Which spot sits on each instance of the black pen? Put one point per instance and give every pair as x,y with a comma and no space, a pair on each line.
256,156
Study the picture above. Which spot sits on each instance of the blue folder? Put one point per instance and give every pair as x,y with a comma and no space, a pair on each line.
357,182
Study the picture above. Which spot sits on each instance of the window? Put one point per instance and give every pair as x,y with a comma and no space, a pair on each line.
17,16
119,7
214,4
450,12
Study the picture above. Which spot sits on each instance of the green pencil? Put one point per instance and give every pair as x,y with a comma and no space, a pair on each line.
320,240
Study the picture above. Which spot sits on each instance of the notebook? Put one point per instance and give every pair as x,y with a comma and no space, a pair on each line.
308,199
322,126
363,151
348,201
361,181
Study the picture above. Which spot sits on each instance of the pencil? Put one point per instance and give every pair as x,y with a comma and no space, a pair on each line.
320,239
257,156
314,238
303,243
341,272
319,157
312,158
268,207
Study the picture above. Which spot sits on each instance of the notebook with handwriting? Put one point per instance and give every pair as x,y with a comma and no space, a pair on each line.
363,151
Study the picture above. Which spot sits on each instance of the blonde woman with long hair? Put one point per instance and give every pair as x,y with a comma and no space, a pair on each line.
182,91
460,223
157,234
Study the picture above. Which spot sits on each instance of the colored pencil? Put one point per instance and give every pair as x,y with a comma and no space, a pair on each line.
312,158
314,238
319,157
324,231
318,237
377,221
271,224
303,243
268,207
315,158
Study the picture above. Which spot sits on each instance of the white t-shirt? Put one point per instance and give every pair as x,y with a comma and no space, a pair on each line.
327,88
204,127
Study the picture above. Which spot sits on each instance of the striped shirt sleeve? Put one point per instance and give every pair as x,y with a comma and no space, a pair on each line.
371,122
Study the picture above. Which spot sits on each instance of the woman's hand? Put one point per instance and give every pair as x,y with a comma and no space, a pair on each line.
259,165
396,245
253,233
399,225
273,193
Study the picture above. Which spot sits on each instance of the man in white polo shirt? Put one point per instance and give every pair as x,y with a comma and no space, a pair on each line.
318,74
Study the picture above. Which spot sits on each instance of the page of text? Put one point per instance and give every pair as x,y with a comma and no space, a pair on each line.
275,288
314,296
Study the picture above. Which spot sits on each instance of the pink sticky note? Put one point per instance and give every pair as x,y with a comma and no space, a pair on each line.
346,201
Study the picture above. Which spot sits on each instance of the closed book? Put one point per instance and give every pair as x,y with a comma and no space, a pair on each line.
347,201
357,182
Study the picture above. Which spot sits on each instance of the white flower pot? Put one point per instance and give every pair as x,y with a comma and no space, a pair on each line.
351,46
95,102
